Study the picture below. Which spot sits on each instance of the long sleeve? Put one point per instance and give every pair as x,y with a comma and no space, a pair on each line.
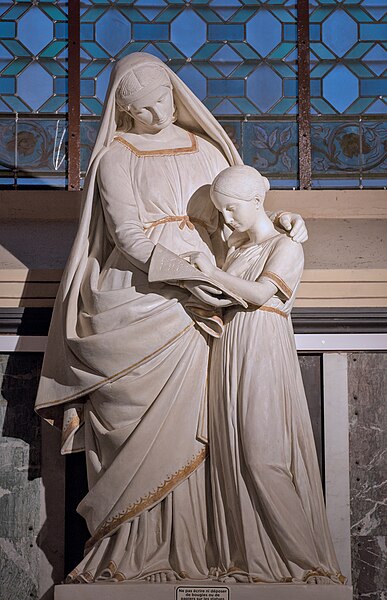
121,211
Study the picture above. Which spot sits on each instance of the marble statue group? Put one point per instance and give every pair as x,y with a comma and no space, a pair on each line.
184,393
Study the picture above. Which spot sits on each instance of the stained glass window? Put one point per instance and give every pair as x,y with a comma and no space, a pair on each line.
238,57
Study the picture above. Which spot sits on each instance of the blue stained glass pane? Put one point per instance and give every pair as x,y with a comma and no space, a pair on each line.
225,8
60,85
150,8
16,104
245,50
373,87
35,85
281,51
315,33
168,15
169,50
226,108
226,87
226,60
35,30
264,32
290,87
271,147
373,32
87,87
195,80
340,87
151,49
285,106
290,33
94,50
315,87
264,87
92,105
150,32
359,50
374,9
376,59
378,107
7,85
225,32
359,106
61,30
113,31
103,82
7,29
87,31
321,51
181,32
339,21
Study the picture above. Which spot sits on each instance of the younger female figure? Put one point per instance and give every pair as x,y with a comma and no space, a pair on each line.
269,510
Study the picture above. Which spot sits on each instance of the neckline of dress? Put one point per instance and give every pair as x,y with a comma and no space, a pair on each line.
162,152
252,245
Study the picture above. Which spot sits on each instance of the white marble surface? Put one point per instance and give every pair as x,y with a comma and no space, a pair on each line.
168,591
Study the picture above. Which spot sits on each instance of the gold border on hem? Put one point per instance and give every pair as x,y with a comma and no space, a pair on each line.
148,500
167,152
272,309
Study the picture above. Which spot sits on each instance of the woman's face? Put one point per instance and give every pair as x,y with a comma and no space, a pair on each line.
239,214
154,111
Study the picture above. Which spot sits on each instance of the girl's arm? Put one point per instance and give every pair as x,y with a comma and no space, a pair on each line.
254,292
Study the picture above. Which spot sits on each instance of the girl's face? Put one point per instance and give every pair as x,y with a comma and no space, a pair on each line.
154,110
239,214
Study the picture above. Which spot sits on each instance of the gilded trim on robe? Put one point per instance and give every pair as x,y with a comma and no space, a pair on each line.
147,501
273,310
118,375
279,282
184,220
167,152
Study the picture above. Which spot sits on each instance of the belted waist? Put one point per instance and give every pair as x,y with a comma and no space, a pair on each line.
183,220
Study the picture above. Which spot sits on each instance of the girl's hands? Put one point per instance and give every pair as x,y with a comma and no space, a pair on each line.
200,261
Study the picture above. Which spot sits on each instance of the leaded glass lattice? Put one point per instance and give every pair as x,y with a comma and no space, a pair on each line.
238,56
33,56
348,56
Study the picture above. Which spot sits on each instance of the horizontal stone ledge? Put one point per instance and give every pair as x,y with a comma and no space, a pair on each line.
61,205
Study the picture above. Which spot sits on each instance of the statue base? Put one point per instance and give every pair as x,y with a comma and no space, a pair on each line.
199,590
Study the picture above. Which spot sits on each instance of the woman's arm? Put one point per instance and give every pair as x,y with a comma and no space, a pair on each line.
254,292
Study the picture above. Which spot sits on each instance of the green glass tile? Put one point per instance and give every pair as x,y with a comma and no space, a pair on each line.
282,69
243,70
16,11
211,103
16,104
282,50
360,70
53,49
208,70
53,67
7,29
208,15
282,107
206,51
15,48
322,107
134,15
359,106
168,14
245,50
321,69
93,105
359,50
91,15
169,50
320,14
94,50
359,14
283,15
134,47
321,51
245,106
53,104
242,15
16,66
53,12
93,68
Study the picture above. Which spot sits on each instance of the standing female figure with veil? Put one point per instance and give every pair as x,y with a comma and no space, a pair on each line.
125,369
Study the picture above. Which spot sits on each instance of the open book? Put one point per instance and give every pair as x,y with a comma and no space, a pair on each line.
169,267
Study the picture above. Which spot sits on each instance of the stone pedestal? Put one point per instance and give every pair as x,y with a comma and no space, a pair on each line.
201,591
